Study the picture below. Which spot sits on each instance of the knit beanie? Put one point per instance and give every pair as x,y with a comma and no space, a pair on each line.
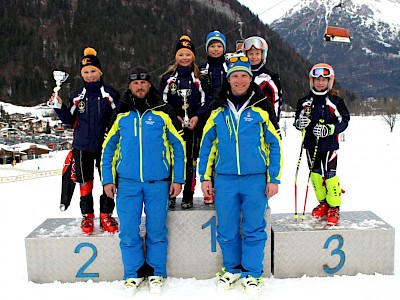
216,36
185,43
138,73
239,64
90,60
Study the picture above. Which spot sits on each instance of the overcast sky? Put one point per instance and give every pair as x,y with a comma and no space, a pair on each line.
269,10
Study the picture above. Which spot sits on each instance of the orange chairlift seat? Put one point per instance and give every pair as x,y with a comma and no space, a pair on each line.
337,35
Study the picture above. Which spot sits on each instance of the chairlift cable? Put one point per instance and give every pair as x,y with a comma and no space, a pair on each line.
239,27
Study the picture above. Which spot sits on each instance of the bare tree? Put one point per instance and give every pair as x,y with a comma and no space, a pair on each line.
390,109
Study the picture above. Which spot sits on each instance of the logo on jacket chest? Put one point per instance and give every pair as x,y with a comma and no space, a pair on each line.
149,121
81,107
248,117
173,87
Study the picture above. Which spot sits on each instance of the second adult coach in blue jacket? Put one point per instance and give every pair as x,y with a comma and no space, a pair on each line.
240,139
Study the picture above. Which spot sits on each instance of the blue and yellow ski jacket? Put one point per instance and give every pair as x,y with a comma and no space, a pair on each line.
248,144
144,147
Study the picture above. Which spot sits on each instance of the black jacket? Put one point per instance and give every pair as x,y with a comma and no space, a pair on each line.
89,114
182,79
330,109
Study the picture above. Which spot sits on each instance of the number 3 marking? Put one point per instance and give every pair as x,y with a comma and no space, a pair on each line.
336,251
81,272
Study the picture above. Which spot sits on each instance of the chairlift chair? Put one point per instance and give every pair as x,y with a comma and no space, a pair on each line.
239,46
337,35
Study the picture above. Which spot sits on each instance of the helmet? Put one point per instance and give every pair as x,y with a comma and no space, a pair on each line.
257,42
325,71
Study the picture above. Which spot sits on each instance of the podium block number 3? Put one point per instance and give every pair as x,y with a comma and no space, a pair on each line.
81,272
336,251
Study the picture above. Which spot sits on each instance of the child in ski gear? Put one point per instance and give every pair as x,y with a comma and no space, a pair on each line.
139,150
183,76
89,110
242,142
215,71
323,116
215,67
256,49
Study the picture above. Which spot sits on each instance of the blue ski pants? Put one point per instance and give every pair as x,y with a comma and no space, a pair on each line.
240,204
131,197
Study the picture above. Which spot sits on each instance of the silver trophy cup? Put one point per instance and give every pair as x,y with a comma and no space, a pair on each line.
59,77
185,93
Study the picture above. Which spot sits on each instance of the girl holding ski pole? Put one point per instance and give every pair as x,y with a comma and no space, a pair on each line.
328,118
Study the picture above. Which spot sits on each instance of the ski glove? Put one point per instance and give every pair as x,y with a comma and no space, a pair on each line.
302,123
323,130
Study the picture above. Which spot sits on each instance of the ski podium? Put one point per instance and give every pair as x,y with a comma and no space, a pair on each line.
361,243
57,251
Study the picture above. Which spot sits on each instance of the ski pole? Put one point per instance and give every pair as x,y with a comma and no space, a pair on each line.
307,112
321,121
303,133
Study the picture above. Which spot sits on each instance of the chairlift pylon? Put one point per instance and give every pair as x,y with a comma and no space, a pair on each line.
239,43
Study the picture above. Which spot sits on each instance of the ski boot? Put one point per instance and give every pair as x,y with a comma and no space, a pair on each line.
209,200
333,216
108,223
187,199
251,285
132,285
155,284
227,280
87,224
172,202
320,211
187,204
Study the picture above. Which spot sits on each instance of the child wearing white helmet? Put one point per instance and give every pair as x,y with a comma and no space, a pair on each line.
322,115
256,49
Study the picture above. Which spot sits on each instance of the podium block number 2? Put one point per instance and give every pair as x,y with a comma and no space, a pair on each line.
81,272
336,251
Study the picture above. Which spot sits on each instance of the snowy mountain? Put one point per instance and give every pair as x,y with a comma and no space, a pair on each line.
370,65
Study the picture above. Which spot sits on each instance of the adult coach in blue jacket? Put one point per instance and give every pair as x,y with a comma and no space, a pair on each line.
140,149
241,141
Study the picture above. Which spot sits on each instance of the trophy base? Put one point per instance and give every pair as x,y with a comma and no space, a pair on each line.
54,104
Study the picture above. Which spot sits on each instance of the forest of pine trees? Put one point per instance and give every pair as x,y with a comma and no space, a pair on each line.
38,37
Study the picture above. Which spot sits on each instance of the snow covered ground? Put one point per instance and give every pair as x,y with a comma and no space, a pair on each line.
368,169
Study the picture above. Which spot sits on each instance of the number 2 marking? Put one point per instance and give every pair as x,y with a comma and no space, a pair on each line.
212,223
336,251
81,272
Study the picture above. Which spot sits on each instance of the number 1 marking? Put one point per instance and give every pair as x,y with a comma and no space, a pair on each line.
212,222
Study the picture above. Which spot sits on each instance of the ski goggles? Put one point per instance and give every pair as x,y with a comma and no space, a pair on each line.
324,72
250,43
234,59
140,76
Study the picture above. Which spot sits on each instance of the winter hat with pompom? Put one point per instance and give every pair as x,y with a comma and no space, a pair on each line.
216,36
90,60
185,43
